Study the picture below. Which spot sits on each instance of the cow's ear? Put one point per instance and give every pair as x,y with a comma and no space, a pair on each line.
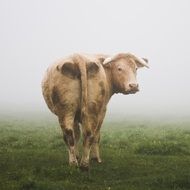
92,68
145,59
141,62
70,70
107,61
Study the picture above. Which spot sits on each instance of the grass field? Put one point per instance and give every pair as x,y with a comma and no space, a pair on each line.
141,155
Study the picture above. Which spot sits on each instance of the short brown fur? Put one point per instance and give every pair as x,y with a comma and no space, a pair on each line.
78,88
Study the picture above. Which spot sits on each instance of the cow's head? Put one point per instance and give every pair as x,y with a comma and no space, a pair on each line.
123,68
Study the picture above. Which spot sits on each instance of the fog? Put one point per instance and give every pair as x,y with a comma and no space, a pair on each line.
34,34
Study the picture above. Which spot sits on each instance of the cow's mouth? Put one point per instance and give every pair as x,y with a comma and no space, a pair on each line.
131,91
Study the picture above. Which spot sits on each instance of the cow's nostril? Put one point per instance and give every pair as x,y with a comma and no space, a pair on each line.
134,85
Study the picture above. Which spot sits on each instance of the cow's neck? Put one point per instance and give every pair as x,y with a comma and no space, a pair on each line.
109,82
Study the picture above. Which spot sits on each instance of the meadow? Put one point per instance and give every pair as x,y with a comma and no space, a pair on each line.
137,155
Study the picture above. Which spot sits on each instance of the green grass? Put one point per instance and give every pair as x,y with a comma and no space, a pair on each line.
138,155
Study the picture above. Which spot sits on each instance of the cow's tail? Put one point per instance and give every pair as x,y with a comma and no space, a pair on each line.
81,62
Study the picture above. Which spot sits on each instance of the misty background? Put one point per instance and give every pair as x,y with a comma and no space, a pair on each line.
33,34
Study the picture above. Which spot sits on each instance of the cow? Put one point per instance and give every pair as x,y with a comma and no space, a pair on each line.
78,88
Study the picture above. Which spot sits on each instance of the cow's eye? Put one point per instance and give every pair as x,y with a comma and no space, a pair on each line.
119,69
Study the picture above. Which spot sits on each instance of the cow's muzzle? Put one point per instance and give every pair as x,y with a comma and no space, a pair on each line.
132,89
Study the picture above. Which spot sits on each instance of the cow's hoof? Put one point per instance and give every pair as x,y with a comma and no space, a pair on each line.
84,168
78,158
95,159
73,163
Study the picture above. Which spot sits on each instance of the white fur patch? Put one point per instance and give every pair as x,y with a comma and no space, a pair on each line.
107,60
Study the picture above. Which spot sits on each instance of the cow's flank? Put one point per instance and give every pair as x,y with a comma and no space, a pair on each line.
102,88
55,96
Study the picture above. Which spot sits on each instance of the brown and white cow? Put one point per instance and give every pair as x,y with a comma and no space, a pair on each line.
78,88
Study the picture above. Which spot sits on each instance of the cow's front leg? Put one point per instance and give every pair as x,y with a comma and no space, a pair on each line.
67,126
95,154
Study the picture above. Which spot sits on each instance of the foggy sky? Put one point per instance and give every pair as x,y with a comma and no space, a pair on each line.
33,34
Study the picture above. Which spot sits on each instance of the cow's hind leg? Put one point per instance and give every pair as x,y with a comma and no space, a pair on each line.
87,142
88,139
77,137
67,125
95,150
95,154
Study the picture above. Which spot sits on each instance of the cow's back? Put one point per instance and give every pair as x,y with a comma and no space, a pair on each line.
63,93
